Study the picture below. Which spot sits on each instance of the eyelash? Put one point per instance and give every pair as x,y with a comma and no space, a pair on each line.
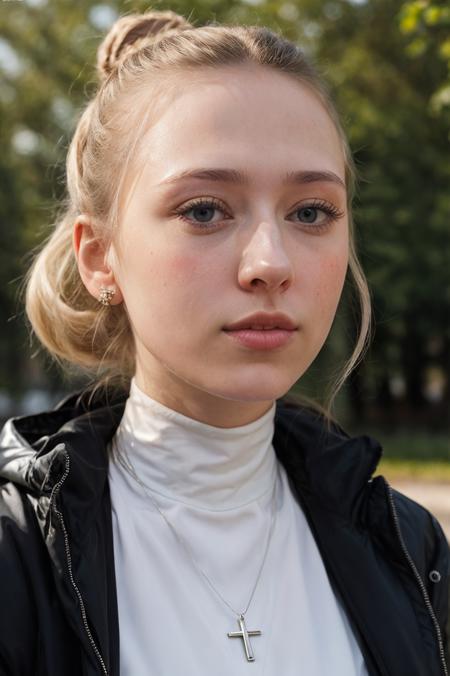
332,212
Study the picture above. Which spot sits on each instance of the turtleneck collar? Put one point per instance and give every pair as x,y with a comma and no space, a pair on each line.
189,461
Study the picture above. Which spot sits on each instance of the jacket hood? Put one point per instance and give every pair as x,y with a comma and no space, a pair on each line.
327,465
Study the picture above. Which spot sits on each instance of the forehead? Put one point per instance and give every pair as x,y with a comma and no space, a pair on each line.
252,118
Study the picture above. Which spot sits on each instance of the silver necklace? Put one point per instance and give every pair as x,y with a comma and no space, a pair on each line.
243,632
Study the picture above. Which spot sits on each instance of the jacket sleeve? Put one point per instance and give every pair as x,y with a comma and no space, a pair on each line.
429,549
429,552
18,621
439,590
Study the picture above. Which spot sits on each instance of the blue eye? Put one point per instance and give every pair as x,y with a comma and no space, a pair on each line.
318,215
202,210
204,213
309,214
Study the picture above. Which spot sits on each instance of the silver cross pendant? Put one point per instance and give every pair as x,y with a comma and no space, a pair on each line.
244,635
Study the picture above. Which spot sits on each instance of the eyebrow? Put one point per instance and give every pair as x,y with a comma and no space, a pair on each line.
237,177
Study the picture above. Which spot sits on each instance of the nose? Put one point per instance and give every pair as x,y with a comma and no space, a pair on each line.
265,263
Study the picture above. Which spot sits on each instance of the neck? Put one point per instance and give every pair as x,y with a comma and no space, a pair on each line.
201,405
190,461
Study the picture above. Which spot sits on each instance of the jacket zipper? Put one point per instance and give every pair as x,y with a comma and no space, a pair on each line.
55,490
418,578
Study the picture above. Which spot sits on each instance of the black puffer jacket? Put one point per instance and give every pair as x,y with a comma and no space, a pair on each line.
386,556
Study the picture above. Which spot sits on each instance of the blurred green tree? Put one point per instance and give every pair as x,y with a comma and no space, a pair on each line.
427,24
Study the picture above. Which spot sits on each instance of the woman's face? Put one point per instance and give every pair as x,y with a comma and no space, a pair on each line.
197,253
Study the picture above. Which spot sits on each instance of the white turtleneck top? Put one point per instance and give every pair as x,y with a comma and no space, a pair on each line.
215,486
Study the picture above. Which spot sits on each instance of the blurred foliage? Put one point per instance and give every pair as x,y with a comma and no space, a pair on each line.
427,24
387,64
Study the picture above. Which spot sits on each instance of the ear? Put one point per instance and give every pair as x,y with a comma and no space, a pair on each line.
92,259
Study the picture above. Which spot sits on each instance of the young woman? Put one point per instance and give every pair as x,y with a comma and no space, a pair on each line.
193,520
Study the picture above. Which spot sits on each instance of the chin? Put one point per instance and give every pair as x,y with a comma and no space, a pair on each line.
255,390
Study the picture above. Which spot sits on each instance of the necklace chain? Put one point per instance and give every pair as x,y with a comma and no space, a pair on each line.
125,461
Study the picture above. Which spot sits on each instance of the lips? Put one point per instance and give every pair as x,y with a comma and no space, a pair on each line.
261,339
262,321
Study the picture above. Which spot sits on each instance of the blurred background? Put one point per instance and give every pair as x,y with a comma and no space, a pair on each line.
388,64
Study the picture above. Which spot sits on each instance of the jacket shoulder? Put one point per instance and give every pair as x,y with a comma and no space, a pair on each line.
423,535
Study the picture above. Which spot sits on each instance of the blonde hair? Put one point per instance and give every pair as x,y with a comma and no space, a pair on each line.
74,327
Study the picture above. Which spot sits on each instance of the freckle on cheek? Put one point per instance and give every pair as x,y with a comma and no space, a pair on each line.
334,266
329,277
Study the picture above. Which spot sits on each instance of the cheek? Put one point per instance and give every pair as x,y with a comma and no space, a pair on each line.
199,271
327,280
148,266
182,269
332,274
169,287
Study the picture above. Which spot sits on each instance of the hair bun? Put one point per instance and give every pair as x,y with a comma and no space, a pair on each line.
132,32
